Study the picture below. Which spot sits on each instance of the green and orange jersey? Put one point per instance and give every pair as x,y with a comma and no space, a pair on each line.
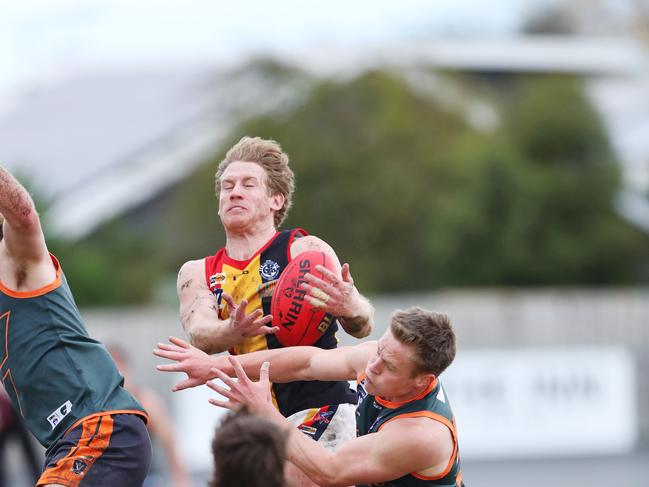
254,280
54,373
374,412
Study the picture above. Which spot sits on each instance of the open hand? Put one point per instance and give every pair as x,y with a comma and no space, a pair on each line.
333,293
248,325
189,359
243,391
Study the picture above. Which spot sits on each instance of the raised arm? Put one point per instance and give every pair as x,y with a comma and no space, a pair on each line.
23,244
289,364
336,293
200,317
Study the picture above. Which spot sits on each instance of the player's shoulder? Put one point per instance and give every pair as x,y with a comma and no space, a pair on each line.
193,265
191,269
310,242
423,426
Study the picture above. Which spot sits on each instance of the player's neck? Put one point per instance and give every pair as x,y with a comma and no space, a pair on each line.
242,245
414,393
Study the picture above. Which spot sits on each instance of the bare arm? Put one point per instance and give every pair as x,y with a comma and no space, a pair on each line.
289,364
200,318
343,300
400,447
23,243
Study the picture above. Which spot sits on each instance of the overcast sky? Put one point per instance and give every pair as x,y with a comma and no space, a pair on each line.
40,38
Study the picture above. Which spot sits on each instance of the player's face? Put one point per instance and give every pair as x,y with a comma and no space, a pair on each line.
389,373
244,200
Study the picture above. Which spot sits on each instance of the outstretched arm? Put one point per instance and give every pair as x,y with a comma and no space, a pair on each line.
336,293
26,262
289,364
200,318
416,444
23,237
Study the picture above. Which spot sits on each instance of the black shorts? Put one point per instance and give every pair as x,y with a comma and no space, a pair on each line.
107,450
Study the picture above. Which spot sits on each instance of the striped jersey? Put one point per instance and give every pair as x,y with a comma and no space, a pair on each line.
254,280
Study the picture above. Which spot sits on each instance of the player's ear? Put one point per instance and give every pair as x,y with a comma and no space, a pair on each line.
277,201
425,380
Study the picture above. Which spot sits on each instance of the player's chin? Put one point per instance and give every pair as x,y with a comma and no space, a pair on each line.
369,386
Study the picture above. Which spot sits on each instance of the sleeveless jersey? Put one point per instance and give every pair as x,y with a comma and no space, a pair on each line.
373,412
254,280
54,373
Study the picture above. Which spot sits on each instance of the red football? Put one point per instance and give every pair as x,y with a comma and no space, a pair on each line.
299,323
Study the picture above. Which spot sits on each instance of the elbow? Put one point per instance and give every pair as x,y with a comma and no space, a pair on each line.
25,218
364,332
201,340
357,329
198,340
329,481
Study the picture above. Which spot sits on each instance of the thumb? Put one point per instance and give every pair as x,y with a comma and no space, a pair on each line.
346,274
264,372
184,384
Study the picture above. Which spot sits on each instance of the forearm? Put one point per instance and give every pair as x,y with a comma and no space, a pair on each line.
210,334
15,203
359,325
286,364
317,463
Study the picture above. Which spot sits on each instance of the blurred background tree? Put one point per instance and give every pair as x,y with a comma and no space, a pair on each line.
408,190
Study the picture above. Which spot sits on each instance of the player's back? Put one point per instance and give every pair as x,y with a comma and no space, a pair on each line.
52,370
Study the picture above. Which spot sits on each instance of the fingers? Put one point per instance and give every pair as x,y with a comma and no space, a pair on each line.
231,401
170,355
222,404
319,294
241,310
224,377
225,392
264,372
229,300
169,368
179,342
315,281
316,303
267,330
328,275
346,274
238,369
169,348
258,326
185,384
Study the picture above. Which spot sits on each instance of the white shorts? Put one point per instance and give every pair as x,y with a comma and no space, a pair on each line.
331,426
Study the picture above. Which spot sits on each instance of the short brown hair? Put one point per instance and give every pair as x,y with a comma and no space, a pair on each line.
269,155
430,333
249,451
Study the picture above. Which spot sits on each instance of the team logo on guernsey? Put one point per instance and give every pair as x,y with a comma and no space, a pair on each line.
269,270
78,466
218,278
59,413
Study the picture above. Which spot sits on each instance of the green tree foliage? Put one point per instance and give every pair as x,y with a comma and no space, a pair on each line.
408,192
415,198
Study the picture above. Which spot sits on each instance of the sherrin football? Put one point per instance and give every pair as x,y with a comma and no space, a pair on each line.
298,321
